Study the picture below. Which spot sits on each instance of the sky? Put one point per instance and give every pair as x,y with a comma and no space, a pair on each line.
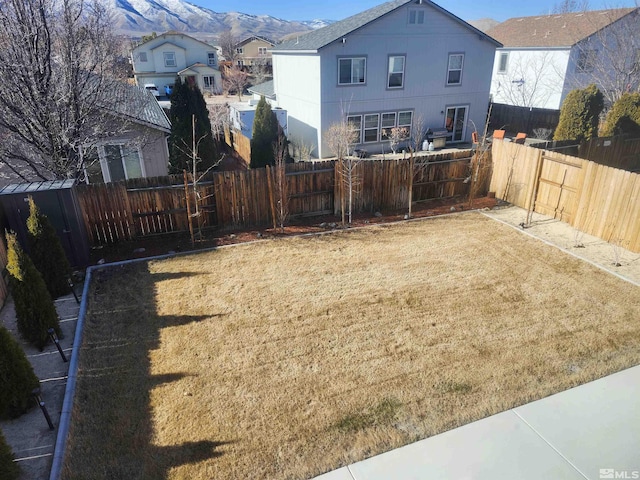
338,9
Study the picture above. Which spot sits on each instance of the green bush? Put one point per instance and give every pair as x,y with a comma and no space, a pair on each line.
580,115
265,132
9,469
624,116
35,311
46,252
16,377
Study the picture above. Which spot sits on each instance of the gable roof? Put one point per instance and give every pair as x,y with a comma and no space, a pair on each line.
322,37
138,104
255,37
561,30
171,33
265,88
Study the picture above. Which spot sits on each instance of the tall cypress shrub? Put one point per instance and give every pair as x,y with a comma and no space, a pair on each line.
16,377
580,114
187,101
46,252
624,116
35,312
9,469
265,133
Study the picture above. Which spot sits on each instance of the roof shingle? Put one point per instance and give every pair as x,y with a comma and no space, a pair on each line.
560,30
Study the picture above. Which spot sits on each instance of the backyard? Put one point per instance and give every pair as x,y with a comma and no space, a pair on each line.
291,357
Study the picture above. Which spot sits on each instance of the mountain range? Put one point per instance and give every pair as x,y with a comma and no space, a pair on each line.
136,18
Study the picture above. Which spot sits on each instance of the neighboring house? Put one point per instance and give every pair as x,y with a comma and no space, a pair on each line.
241,115
141,150
138,149
160,60
389,66
546,56
254,50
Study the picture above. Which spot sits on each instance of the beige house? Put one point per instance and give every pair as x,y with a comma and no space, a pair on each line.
160,60
254,50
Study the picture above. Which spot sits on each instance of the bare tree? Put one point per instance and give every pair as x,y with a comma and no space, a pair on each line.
340,137
235,80
193,151
610,58
219,118
417,131
396,135
301,149
228,41
280,174
57,85
260,70
530,80
568,6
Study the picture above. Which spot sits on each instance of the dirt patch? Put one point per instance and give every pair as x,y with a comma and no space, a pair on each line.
181,242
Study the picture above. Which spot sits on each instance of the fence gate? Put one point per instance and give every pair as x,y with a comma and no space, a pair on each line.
558,187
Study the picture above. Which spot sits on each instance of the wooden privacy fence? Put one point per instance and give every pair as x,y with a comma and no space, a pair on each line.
522,119
595,199
122,211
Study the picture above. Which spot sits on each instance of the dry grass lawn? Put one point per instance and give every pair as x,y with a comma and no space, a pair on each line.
289,358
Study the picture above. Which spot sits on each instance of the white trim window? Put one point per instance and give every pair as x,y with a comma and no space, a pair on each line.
169,59
211,59
355,122
352,71
209,81
503,62
239,50
388,121
262,51
371,128
416,17
395,76
405,119
454,68
117,161
374,127
142,57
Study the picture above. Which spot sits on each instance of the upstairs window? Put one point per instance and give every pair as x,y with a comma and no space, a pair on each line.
395,77
503,62
262,50
351,71
454,70
211,59
142,57
169,59
239,50
416,17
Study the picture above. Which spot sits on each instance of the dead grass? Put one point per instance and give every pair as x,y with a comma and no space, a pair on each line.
289,358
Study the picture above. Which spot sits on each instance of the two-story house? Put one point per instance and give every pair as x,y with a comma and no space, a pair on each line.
254,50
546,56
161,59
385,67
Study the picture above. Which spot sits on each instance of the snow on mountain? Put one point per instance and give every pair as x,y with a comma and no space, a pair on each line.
141,17
317,23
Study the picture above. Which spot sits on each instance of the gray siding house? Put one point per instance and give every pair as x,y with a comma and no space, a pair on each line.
382,68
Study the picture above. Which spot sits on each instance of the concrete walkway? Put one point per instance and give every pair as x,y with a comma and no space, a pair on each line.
588,432
28,435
